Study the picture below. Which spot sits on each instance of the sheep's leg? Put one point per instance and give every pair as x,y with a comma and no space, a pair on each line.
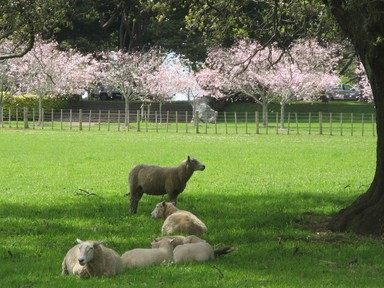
135,198
173,197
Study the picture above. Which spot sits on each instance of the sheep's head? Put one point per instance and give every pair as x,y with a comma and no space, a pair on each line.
159,211
87,250
194,164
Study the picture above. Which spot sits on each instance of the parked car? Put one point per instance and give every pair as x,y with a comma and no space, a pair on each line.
343,92
106,92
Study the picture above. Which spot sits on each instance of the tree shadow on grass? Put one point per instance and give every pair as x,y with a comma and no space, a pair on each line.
265,230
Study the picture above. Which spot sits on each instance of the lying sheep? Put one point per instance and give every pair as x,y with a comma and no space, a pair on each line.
178,220
194,249
91,259
140,257
156,180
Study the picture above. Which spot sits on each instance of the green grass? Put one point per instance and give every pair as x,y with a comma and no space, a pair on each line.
255,190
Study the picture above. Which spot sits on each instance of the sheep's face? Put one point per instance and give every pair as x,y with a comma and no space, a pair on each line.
159,211
195,164
87,251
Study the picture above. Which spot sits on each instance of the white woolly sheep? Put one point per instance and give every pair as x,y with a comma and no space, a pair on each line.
157,180
178,220
193,249
91,259
140,257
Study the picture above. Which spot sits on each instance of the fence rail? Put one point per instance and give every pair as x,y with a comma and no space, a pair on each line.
182,121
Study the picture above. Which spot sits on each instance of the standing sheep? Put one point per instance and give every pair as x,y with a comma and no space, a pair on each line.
178,220
141,257
91,259
157,180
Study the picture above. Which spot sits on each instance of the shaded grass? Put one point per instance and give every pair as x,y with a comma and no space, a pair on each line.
253,193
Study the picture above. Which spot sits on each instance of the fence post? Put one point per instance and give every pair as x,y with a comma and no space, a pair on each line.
373,125
42,118
33,118
109,119
17,118
330,124
89,119
197,122
351,124
26,126
138,120
52,120
70,119
321,123
167,122
297,123
99,120
157,124
266,123
118,120
186,122
257,122
277,123
341,123
235,114
289,122
80,119
246,122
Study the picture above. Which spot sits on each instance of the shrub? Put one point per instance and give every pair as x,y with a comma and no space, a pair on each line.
17,103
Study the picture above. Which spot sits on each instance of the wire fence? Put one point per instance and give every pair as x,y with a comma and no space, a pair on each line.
310,123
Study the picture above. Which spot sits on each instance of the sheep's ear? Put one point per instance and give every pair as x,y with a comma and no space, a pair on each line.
164,203
173,203
189,159
99,242
79,241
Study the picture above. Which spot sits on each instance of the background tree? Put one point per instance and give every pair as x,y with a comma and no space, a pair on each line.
47,71
128,72
22,20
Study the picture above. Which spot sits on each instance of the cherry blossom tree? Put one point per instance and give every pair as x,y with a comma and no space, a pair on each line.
269,74
240,69
128,72
48,72
364,85
302,73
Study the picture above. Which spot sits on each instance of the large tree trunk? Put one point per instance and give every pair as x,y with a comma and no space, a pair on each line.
362,21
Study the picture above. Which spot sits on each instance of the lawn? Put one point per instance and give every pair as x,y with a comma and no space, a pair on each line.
258,193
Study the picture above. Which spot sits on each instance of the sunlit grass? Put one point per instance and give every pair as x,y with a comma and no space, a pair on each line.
251,195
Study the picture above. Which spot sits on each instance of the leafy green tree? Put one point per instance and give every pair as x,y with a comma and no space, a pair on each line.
22,20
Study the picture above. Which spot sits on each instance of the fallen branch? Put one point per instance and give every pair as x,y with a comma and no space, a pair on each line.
83,192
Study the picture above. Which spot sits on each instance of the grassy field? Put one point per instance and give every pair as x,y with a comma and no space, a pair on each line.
259,193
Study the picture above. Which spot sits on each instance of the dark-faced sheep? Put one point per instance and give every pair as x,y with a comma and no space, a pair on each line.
157,180
176,220
91,259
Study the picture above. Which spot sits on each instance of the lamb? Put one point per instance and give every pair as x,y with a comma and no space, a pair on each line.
194,249
178,220
140,257
157,180
91,259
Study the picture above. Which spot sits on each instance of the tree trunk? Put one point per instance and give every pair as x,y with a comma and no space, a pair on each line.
282,112
362,21
40,122
126,117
